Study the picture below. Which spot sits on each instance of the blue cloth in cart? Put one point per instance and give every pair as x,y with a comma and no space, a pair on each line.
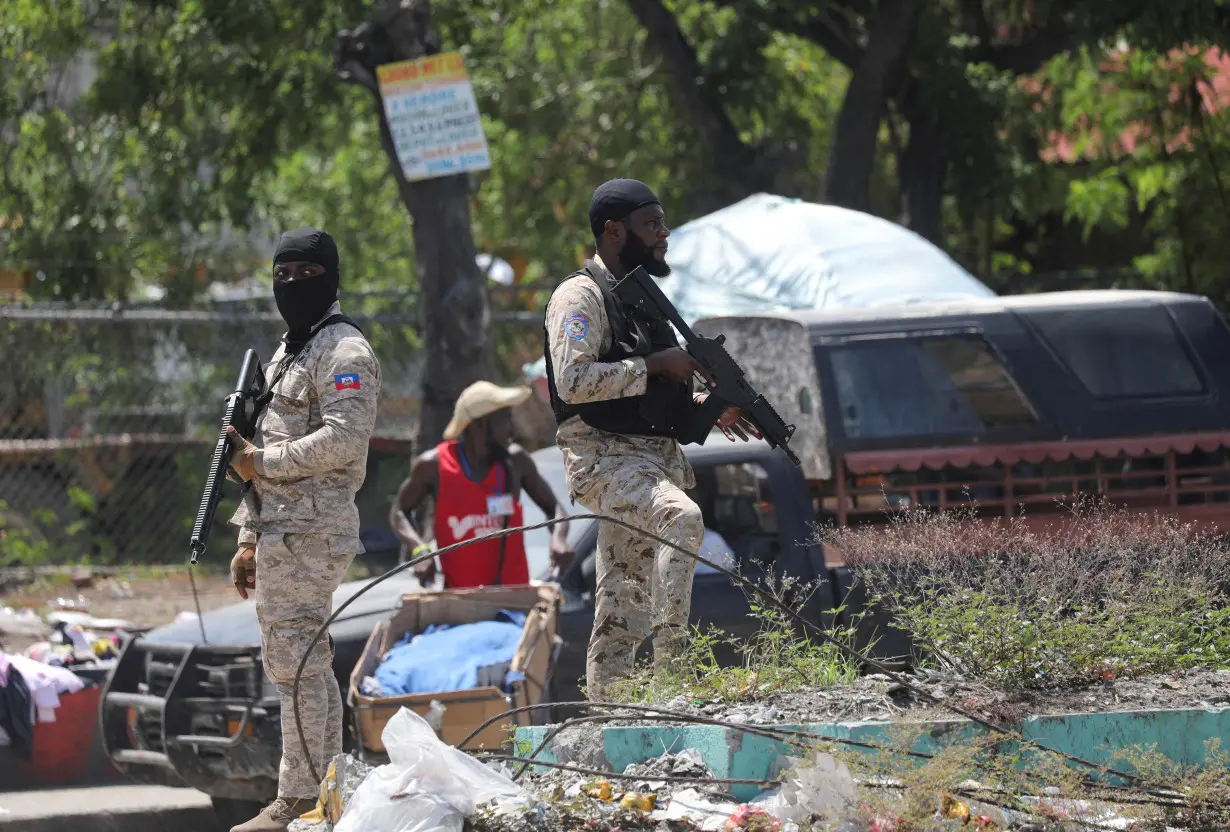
447,657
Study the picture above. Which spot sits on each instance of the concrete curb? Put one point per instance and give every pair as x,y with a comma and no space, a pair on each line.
1179,735
108,809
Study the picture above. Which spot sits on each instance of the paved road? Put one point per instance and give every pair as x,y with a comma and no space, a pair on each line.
108,809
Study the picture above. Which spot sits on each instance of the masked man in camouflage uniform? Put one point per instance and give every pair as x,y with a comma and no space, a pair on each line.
620,388
299,525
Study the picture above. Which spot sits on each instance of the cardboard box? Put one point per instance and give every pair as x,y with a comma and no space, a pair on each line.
466,709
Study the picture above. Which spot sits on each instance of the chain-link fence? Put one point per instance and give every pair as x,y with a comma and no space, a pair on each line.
108,418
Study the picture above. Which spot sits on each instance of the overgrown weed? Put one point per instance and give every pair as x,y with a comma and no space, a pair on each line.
1103,594
779,658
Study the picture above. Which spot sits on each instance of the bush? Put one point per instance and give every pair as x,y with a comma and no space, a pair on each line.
1099,594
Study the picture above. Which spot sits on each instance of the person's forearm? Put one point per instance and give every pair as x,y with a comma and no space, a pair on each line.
560,530
404,529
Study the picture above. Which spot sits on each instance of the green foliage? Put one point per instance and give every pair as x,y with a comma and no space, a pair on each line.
1152,130
206,120
715,667
1100,596
213,124
1014,644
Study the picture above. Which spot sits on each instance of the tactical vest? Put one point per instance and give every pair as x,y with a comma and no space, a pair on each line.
666,406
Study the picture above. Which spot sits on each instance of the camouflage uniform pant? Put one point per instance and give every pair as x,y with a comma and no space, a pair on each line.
643,588
296,575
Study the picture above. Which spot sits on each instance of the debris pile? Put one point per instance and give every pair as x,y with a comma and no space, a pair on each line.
346,773
879,697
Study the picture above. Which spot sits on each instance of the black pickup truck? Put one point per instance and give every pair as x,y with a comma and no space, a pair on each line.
177,711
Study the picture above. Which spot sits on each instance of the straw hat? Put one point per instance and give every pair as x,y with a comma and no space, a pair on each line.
480,399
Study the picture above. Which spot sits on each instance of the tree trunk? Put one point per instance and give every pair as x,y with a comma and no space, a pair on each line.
741,168
852,157
922,168
455,313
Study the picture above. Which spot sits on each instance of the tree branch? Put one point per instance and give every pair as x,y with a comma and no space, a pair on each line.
976,21
1054,38
684,70
878,75
840,42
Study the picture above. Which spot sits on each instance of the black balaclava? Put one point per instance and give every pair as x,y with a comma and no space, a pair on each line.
302,303
616,199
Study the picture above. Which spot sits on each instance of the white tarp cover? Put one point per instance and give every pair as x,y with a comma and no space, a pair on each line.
767,253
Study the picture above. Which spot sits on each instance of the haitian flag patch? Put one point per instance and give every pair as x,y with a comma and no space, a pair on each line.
346,381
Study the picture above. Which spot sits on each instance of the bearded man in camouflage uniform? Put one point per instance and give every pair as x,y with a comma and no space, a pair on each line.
298,523
620,389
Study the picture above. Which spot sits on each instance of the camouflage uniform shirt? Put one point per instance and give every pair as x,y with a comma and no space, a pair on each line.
314,435
578,333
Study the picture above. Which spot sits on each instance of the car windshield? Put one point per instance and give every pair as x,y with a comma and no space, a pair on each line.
551,465
941,385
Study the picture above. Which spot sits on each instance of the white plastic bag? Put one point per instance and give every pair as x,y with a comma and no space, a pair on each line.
427,786
822,785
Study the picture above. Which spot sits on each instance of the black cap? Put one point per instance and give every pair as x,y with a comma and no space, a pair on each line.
308,245
616,199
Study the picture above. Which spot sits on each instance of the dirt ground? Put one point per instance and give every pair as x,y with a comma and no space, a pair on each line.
144,597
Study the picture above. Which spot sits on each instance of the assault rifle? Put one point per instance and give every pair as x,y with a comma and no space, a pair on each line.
641,291
243,406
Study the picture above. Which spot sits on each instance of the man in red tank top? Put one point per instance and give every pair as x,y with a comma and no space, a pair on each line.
477,475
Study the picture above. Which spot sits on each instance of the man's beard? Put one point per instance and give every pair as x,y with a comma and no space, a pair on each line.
636,253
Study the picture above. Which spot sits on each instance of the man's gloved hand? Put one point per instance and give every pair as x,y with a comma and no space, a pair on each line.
242,459
243,570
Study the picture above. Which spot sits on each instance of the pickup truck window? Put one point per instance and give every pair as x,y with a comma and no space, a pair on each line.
1130,352
934,385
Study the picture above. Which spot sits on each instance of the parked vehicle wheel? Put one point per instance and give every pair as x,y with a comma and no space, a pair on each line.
234,812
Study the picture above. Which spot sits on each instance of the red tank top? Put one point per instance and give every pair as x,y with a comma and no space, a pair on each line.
464,512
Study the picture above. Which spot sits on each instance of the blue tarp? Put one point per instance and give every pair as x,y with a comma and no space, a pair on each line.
772,254
448,657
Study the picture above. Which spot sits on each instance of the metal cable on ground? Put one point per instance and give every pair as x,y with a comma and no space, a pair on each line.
740,581
789,736
723,781
610,775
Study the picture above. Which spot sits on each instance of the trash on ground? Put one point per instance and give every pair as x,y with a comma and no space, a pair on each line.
822,785
427,786
600,790
704,812
22,623
638,802
686,763
345,774
748,818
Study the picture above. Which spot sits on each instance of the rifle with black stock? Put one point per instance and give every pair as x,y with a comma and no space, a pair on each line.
642,292
243,406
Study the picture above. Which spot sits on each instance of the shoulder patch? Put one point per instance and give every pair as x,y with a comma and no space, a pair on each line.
346,381
576,326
